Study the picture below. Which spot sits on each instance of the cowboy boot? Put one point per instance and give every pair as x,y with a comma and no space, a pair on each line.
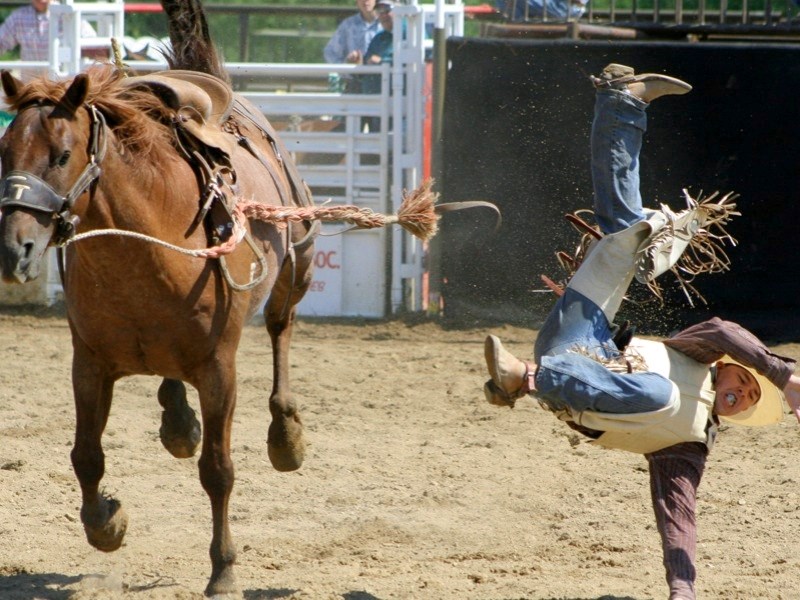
511,378
646,86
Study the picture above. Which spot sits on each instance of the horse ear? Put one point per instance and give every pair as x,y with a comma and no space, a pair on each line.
11,84
75,95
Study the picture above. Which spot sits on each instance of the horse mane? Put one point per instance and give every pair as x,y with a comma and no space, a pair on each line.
137,118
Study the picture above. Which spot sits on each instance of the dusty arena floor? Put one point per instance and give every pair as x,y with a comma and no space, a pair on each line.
413,486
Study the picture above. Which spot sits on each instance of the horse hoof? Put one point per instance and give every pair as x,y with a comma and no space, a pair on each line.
223,586
285,445
105,529
182,439
180,430
285,459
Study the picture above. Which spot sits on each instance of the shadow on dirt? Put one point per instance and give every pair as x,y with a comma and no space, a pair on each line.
283,593
23,586
607,597
268,594
276,594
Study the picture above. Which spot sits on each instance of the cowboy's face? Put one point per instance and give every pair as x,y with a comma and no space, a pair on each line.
736,390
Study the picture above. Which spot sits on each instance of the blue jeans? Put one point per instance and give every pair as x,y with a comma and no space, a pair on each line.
566,380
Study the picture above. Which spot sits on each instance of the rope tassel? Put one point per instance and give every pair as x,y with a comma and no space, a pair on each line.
417,213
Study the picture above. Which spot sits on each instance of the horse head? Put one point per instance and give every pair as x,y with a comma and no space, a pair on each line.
49,155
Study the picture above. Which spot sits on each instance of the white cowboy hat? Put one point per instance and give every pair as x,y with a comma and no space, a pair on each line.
769,408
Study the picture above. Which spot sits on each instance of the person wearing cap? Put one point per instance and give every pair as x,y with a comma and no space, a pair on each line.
380,50
664,399
351,39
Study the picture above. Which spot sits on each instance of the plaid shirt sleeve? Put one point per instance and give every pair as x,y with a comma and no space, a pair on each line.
708,341
675,474
8,33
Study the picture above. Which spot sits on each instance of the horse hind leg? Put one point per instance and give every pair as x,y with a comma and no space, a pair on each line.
180,430
285,443
104,520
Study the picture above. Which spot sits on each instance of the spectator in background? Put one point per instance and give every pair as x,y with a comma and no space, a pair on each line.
381,48
522,10
29,28
350,40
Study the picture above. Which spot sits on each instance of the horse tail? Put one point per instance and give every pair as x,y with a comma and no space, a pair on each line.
192,48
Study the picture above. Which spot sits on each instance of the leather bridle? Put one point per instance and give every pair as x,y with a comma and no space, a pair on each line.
26,190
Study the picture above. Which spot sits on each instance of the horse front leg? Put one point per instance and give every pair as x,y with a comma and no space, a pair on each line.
103,518
217,402
285,444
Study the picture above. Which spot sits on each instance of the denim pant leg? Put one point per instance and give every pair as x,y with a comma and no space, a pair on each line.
619,123
574,321
567,379
578,383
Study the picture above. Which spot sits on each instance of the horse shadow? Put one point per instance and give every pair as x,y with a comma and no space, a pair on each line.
37,585
604,597
22,586
283,593
275,594
268,594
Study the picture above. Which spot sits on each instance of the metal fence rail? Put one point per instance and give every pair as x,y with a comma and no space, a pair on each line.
692,20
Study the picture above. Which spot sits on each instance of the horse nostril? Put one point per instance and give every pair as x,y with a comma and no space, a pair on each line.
26,250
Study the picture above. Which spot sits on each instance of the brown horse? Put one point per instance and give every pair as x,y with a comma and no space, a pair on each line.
104,152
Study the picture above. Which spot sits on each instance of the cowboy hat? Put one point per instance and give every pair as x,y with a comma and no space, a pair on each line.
769,408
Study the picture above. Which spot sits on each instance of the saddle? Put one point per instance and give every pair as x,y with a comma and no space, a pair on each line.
203,106
202,103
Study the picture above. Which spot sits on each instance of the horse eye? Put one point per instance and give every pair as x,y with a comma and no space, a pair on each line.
63,159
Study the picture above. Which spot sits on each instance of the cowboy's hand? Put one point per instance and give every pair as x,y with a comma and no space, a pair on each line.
792,392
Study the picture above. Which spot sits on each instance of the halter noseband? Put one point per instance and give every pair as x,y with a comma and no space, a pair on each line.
26,190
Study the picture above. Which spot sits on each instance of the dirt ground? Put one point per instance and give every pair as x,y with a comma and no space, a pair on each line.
413,486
